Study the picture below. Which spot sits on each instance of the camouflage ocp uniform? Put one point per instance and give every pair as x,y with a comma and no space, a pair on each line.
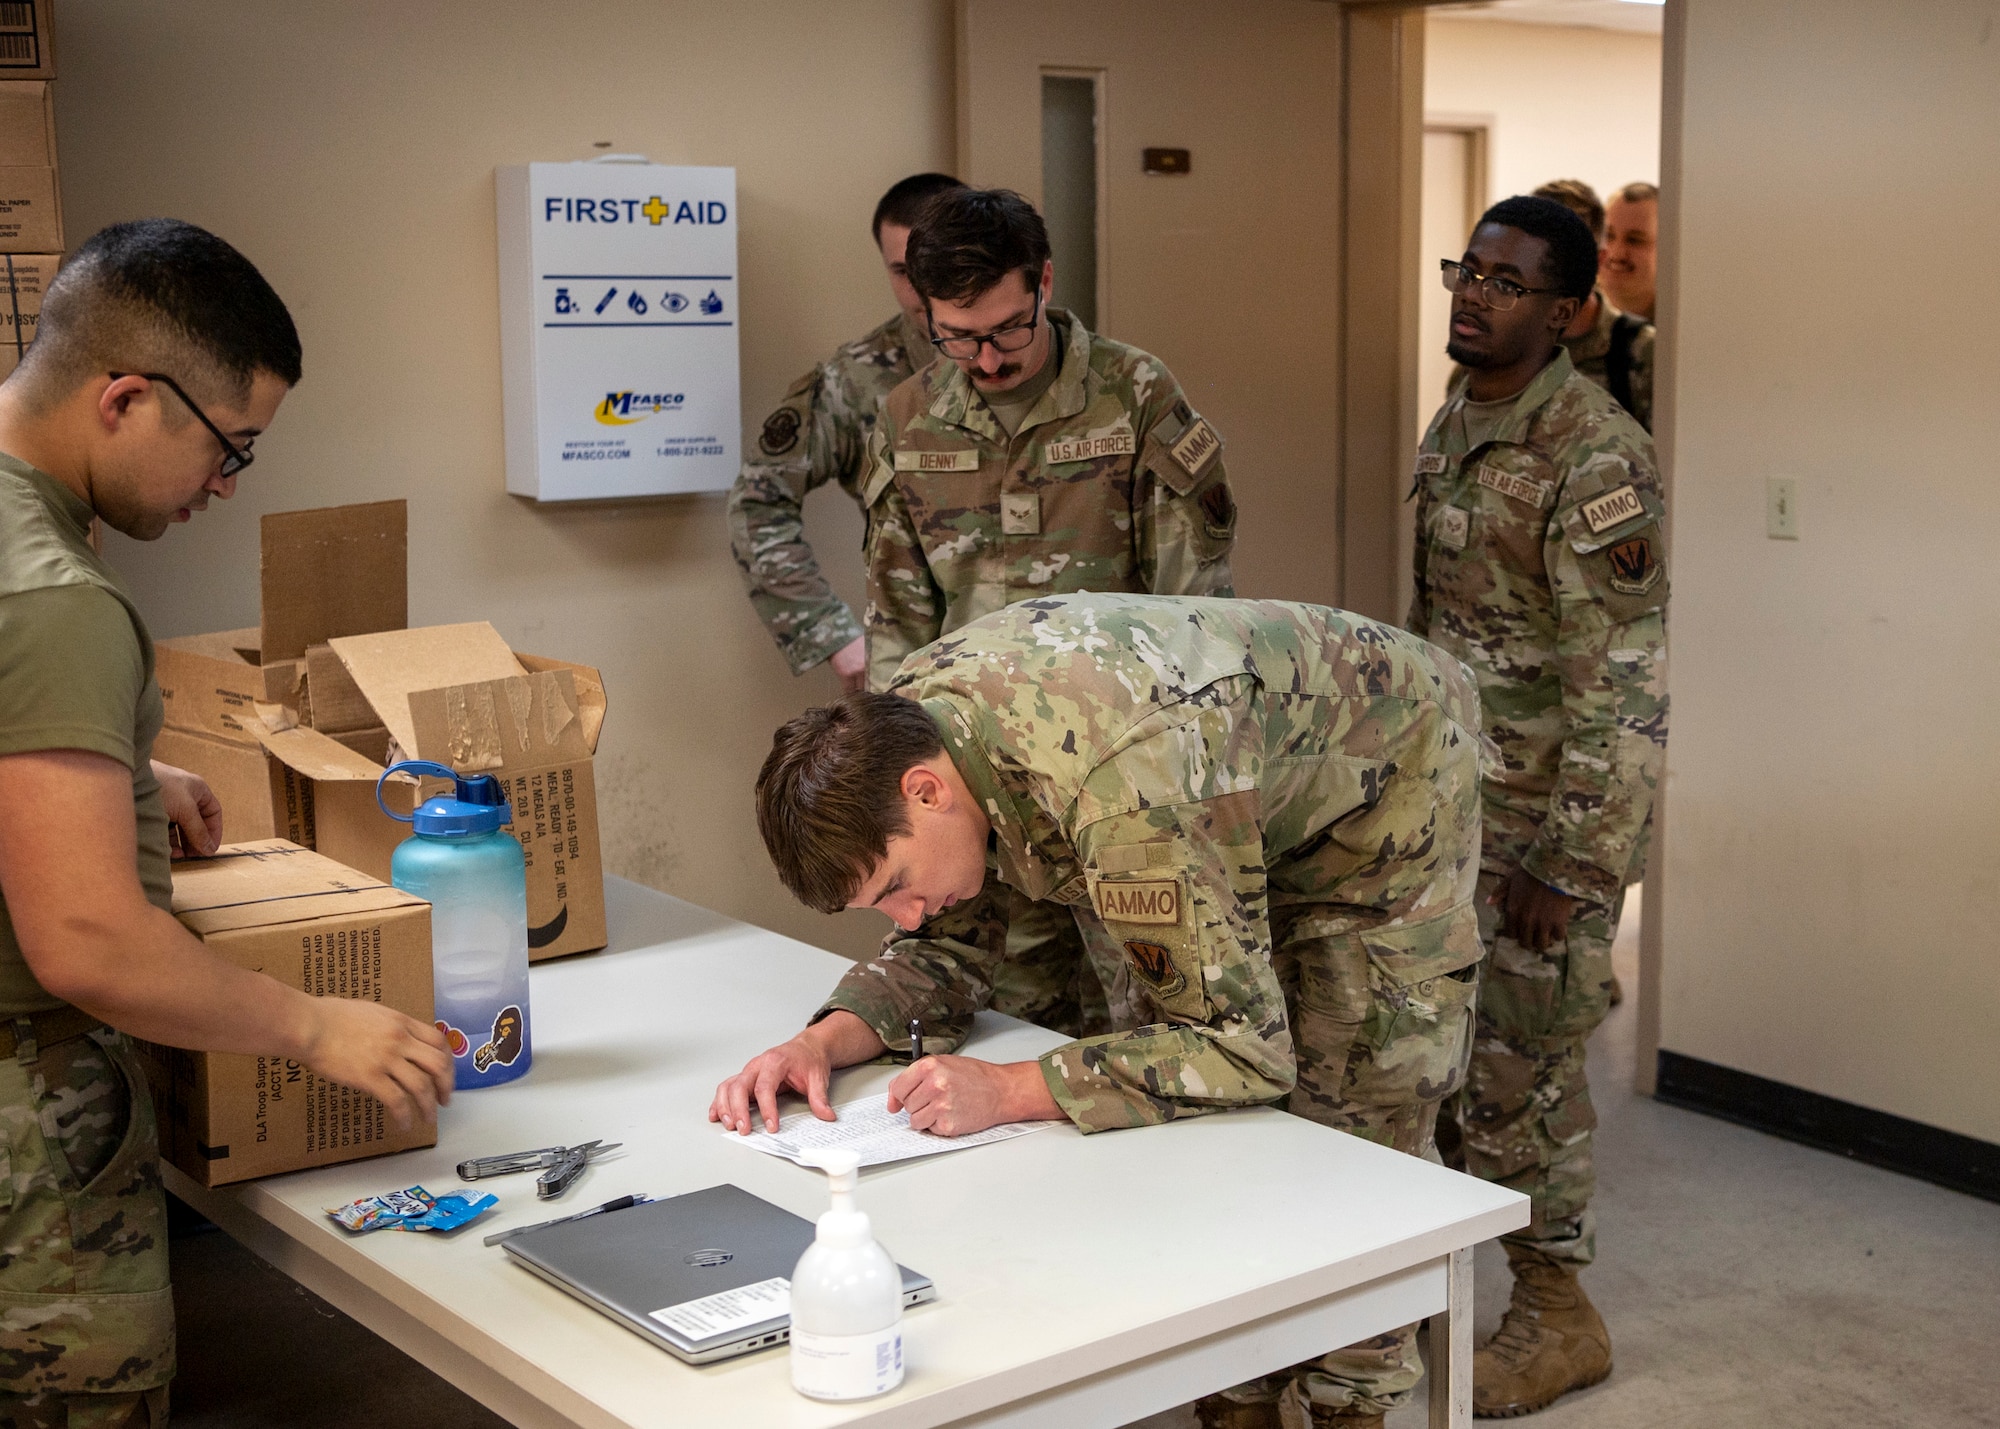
1112,483
818,433
1265,817
1539,563
1594,356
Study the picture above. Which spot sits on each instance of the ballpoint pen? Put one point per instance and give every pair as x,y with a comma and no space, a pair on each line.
618,1203
916,1040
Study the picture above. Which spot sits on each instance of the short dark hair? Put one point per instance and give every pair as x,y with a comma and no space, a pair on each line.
160,295
1580,199
906,199
830,794
1572,256
967,240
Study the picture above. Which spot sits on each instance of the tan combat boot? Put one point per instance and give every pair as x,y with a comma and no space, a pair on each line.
1551,1342
1214,1412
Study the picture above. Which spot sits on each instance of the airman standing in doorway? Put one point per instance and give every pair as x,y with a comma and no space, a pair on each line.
1040,459
1631,248
819,433
1612,349
1539,564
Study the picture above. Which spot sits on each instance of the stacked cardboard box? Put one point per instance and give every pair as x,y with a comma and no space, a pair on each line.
31,229
292,915
293,722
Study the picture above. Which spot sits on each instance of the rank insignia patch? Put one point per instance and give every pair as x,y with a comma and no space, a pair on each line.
1634,571
781,432
1155,966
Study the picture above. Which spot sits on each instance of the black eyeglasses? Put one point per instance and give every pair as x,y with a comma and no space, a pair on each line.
1499,294
1007,339
234,458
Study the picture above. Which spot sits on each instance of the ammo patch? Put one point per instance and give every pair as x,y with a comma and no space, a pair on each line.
1196,445
1609,509
1520,488
781,432
1150,900
1155,966
1430,463
1089,448
965,460
1020,513
1634,571
1454,526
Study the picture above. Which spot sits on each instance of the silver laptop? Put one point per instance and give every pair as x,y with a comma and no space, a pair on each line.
692,1273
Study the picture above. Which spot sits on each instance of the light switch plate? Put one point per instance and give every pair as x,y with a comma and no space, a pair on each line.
1781,508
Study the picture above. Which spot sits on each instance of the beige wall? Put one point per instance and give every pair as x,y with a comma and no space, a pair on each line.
1830,903
349,150
1566,102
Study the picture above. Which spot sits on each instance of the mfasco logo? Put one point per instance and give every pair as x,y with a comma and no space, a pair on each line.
622,409
654,210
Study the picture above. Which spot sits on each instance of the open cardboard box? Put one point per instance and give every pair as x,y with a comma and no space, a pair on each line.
290,914
292,722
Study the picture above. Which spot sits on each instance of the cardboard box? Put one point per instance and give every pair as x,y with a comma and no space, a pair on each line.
293,722
27,121
290,914
458,695
30,208
27,39
24,277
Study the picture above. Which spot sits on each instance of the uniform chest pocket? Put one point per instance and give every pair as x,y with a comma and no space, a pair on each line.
1149,916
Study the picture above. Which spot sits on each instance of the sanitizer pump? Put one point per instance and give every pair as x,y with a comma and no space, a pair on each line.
847,1299
476,880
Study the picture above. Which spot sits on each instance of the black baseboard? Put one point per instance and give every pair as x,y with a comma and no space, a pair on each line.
1892,1142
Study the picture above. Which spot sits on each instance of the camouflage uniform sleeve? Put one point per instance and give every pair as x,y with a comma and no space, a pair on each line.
1188,519
942,973
1181,890
1611,655
1642,375
905,606
800,448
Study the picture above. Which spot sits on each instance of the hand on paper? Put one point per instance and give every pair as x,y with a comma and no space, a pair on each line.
380,1051
803,1064
193,811
956,1096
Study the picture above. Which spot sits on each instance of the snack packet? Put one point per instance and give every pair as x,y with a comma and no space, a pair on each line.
413,1210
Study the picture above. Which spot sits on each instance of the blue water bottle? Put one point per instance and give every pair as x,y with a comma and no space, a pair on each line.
476,881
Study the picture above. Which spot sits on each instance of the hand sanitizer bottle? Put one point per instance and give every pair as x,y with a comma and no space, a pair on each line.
847,1299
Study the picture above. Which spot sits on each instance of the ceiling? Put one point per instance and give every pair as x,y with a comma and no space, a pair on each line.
1596,14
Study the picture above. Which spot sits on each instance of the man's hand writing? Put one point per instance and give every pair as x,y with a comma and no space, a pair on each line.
956,1096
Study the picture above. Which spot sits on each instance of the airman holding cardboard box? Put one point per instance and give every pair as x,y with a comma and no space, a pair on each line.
162,354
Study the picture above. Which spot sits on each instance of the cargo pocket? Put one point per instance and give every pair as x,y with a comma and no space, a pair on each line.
1415,1040
118,1219
1536,997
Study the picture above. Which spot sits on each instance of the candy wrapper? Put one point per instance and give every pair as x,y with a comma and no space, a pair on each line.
413,1210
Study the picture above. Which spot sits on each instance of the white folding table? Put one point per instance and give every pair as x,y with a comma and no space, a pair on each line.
1083,1281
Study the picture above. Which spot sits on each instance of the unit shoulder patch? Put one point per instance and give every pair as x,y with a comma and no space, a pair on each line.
1601,513
1635,570
781,432
964,459
1065,449
1510,484
1153,963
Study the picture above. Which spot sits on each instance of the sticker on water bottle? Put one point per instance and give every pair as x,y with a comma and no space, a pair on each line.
508,1038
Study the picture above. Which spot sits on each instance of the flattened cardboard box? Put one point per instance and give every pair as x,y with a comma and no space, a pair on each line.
27,121
24,277
30,209
27,39
291,914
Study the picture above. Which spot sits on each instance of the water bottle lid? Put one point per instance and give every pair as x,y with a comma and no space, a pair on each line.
475,807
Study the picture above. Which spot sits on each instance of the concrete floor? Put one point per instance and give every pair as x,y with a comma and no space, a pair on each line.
1747,1282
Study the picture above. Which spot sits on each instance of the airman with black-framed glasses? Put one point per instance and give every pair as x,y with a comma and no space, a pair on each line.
234,458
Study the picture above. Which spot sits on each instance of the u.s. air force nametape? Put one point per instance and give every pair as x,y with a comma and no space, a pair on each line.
1089,448
1520,488
1140,900
1609,509
937,461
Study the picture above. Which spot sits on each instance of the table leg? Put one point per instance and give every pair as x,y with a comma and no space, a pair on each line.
1448,1347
